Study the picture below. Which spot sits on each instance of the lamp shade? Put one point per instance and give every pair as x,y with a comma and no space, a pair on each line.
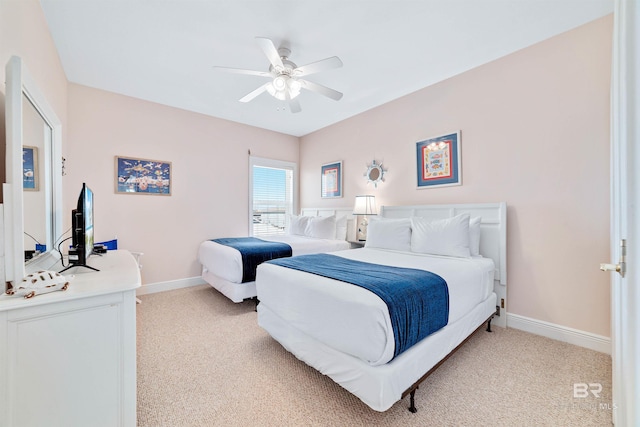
365,205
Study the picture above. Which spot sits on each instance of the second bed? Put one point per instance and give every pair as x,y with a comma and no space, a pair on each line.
222,266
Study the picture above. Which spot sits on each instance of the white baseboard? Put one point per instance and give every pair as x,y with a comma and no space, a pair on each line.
560,333
152,288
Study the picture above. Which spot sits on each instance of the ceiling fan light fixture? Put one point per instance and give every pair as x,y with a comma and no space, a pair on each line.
280,83
283,84
294,87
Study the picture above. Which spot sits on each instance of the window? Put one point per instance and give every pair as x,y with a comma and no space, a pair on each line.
271,195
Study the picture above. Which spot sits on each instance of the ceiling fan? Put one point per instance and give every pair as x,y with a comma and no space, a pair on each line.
286,77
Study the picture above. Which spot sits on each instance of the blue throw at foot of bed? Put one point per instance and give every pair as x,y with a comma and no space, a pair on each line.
418,300
254,252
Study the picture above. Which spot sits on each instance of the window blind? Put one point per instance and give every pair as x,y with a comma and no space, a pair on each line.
272,199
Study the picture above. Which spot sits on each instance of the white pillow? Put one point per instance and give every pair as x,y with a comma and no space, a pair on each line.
341,228
321,227
389,234
298,224
449,237
474,235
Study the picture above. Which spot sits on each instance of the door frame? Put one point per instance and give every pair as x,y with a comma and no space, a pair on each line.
625,188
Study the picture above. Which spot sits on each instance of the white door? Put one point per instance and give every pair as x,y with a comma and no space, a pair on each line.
625,185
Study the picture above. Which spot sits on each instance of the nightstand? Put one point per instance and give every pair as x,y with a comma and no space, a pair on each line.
355,244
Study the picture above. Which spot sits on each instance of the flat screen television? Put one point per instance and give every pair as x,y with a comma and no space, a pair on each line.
82,230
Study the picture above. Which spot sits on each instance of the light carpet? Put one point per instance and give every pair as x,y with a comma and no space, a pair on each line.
204,361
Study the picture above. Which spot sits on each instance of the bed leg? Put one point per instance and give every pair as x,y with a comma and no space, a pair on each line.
257,302
412,400
489,325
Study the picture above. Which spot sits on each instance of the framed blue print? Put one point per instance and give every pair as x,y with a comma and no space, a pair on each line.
30,168
331,180
143,176
438,161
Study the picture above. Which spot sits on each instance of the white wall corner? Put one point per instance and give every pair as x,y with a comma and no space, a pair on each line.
584,339
152,288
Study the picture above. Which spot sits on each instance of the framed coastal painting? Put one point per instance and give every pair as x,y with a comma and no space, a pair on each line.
438,161
331,180
30,171
142,176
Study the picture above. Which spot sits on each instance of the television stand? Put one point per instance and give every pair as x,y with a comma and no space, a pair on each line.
77,258
77,265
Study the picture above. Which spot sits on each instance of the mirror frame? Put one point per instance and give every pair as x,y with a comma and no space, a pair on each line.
19,83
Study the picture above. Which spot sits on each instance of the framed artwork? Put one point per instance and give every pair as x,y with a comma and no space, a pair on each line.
30,168
331,180
438,161
143,176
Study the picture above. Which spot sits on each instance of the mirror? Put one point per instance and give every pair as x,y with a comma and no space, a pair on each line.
32,193
36,140
374,173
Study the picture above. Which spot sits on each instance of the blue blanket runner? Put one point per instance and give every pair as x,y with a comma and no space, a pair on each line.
254,252
418,300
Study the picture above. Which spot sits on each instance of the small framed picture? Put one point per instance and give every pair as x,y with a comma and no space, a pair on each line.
143,176
438,161
30,173
331,180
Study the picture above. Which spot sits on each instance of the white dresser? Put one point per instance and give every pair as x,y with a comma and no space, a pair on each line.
68,358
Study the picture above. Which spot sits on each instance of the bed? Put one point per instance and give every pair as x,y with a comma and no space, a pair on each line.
307,313
222,266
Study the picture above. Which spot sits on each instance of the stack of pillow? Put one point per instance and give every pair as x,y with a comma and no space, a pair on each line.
458,236
319,227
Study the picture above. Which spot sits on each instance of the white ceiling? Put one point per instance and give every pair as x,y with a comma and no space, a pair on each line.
164,50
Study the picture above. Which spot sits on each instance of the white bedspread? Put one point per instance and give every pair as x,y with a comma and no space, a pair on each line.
352,320
226,262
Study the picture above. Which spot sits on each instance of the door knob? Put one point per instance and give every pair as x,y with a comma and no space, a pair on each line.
621,267
611,267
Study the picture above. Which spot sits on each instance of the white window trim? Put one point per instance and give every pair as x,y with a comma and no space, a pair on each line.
270,163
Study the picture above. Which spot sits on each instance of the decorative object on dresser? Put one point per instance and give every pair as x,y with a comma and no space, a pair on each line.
331,180
39,283
364,206
438,161
375,173
143,176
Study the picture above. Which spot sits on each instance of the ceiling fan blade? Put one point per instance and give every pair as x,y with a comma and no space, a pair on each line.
294,105
240,71
322,90
248,97
270,50
323,64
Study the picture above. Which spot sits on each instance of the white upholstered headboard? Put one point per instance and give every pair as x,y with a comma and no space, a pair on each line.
493,226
